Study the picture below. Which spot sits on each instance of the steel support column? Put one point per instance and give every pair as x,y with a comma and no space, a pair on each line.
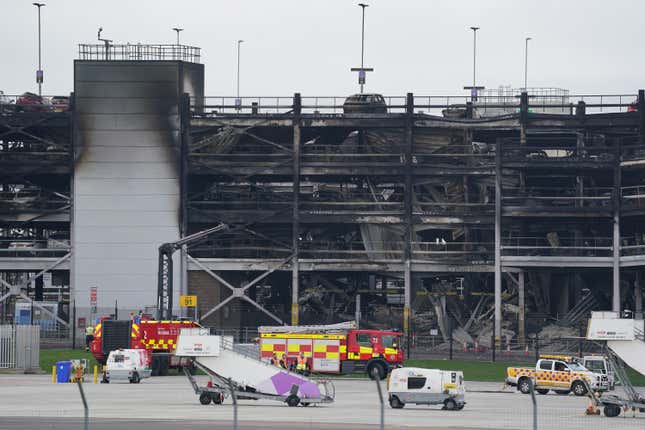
521,322
615,302
498,240
409,231
638,296
295,222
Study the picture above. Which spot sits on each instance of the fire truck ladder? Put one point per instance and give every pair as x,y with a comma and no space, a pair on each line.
329,328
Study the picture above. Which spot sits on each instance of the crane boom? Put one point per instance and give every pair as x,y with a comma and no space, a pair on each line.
165,268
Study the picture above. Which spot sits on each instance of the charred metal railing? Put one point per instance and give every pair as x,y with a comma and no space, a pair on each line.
485,105
139,52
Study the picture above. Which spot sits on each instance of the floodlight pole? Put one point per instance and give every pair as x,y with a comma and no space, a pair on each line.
363,6
39,73
526,62
178,30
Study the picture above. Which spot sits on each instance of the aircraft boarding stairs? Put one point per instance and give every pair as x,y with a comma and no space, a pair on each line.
237,370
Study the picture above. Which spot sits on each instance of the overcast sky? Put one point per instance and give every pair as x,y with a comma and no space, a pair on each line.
308,46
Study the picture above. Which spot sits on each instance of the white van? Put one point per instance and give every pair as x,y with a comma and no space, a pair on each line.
426,387
131,365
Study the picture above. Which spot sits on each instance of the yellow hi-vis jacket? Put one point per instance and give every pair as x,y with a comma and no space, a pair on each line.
302,364
89,331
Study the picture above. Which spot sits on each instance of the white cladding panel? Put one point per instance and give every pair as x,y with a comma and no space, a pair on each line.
126,179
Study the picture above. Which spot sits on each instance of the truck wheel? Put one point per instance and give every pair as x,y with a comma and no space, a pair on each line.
449,405
579,388
155,366
217,398
562,392
204,398
612,411
524,385
293,400
163,366
135,378
542,391
395,403
375,370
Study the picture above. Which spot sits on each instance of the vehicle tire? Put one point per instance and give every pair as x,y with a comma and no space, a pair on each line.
204,398
305,404
612,411
218,399
378,369
395,403
524,385
579,388
542,391
293,400
155,366
460,407
449,405
562,392
135,378
163,366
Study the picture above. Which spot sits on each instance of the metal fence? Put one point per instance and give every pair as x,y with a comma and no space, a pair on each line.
19,347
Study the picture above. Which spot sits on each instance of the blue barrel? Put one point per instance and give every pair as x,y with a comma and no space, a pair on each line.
63,371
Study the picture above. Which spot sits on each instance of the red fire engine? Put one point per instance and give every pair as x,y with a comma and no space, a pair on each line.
339,348
159,337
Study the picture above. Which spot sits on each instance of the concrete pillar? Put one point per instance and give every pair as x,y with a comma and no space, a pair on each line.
638,297
295,269
498,240
615,302
521,323
409,231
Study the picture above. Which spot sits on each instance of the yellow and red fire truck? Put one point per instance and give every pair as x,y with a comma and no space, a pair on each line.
338,348
158,337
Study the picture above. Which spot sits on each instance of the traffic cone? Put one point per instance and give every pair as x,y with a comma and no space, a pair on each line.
465,347
477,345
508,348
526,350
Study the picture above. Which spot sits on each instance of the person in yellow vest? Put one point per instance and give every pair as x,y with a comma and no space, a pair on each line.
283,361
274,360
89,336
301,364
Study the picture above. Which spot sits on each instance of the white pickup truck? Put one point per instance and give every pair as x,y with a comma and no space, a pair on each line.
558,373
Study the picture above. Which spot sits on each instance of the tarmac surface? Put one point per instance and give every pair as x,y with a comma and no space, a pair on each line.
34,402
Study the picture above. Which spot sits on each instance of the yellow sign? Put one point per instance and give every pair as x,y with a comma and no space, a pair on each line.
187,301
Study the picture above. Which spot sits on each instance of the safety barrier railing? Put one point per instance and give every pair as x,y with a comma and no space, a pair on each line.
433,208
18,247
429,104
556,153
557,246
138,52
592,197
632,197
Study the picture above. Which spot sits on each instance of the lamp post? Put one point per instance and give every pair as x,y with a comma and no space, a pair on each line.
526,61
39,72
178,30
362,70
473,89
238,101
474,29
363,6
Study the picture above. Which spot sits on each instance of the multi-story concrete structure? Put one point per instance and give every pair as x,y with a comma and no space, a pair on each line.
403,209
